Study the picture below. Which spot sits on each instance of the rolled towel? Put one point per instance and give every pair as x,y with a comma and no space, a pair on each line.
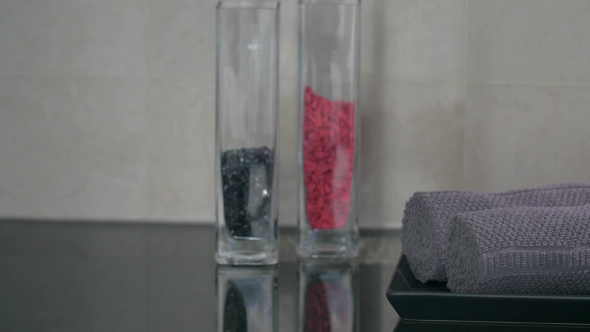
524,250
427,213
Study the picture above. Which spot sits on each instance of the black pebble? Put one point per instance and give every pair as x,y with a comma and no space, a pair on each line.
239,170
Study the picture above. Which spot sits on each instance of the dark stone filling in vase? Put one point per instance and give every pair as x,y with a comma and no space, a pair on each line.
246,176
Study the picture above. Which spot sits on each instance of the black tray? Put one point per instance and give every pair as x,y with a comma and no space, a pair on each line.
433,301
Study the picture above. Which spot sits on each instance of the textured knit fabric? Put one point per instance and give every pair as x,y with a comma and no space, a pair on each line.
523,250
427,214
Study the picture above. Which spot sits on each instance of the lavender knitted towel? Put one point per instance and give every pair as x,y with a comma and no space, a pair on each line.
427,214
524,250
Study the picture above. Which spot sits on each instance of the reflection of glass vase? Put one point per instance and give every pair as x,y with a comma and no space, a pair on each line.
246,132
328,297
247,299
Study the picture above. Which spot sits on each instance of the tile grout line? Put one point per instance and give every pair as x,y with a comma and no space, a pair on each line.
146,33
565,84
554,84
405,81
149,171
466,40
146,212
397,225
43,76
73,76
467,83
148,206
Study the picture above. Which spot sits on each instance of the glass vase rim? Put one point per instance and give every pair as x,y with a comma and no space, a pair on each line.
249,4
329,2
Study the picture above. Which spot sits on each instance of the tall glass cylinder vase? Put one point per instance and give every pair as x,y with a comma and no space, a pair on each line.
328,127
246,129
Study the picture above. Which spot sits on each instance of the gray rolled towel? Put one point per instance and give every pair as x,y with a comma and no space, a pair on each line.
427,213
523,250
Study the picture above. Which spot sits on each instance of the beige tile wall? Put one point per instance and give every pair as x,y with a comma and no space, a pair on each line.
107,107
528,105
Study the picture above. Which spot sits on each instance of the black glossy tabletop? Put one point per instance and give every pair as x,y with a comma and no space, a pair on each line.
93,276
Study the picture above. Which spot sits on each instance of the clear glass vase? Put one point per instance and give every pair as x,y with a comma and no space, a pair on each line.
328,296
247,299
246,128
328,127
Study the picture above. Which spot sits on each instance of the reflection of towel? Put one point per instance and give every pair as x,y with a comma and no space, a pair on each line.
427,214
526,250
